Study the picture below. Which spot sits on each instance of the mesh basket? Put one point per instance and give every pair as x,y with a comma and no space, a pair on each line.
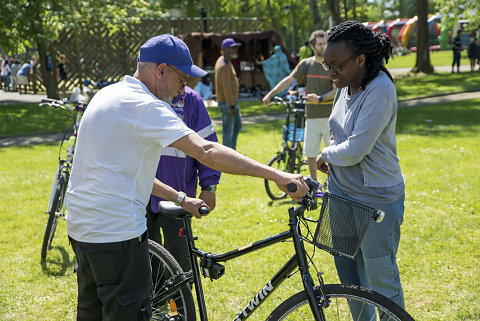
342,225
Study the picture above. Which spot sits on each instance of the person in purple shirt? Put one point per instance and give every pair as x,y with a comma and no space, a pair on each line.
183,173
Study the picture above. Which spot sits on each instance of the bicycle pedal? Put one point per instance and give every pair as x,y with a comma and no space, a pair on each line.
318,194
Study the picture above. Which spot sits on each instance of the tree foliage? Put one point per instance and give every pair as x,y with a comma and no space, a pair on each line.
31,25
467,9
24,22
28,26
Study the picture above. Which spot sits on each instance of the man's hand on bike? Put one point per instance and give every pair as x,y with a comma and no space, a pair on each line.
322,165
266,100
297,179
192,205
312,98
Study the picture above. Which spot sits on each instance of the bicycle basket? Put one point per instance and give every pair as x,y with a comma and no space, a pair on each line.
342,224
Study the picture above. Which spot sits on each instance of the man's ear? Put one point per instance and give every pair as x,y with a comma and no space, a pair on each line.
161,69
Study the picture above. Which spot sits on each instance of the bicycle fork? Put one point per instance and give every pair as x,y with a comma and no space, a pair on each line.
307,280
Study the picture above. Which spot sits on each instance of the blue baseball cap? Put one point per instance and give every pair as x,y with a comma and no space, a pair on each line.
229,42
170,50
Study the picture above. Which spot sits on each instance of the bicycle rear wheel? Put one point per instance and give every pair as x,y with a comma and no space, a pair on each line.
166,272
278,162
54,214
347,302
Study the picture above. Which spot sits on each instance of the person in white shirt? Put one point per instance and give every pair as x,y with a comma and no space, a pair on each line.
121,136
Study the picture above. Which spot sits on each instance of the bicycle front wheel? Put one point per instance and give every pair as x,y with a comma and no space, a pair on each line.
346,302
54,214
278,162
166,272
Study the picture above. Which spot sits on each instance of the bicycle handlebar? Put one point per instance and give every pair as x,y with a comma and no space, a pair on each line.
57,104
79,107
302,100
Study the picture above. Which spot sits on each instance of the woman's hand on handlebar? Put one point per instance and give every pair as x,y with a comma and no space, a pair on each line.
192,205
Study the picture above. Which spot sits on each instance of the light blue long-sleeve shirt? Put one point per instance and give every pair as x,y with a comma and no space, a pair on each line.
363,153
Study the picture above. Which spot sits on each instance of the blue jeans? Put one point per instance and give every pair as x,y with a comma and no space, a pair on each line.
231,125
375,265
456,59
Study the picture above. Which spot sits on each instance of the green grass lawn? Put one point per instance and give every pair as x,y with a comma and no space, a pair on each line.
31,119
437,58
438,258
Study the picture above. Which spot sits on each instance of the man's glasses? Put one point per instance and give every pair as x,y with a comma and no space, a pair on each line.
336,67
183,80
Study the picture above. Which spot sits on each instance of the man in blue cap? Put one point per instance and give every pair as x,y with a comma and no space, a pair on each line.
121,136
226,89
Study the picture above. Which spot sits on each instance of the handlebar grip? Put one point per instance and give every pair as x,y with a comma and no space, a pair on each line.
52,101
292,187
203,210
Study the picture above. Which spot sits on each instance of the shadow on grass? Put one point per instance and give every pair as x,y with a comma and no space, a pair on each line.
26,119
445,119
58,262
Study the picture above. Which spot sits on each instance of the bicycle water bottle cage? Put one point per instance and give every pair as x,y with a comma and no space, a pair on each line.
210,269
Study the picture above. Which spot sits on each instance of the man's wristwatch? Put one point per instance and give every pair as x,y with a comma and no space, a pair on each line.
320,98
210,188
181,197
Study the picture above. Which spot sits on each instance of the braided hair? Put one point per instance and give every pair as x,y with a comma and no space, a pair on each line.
362,40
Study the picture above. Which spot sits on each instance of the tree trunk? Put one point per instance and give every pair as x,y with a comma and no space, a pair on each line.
317,20
354,9
47,75
423,52
334,11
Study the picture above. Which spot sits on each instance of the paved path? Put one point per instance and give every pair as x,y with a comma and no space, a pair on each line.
8,97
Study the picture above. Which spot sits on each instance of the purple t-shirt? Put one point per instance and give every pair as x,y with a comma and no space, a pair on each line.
175,168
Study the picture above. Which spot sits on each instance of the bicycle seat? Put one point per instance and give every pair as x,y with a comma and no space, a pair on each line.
170,209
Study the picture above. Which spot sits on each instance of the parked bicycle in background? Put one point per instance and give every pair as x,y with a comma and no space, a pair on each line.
56,208
290,159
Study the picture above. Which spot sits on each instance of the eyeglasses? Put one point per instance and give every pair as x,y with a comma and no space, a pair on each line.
336,67
183,80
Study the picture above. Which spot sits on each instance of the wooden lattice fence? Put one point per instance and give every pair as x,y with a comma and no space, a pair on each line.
100,54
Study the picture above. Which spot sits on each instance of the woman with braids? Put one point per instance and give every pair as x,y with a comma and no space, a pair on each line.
362,160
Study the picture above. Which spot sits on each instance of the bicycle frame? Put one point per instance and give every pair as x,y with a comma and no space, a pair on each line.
292,148
65,165
298,260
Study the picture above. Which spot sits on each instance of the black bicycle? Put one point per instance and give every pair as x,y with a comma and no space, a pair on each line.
56,205
339,230
290,159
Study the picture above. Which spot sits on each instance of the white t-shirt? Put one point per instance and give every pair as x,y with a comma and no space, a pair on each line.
120,139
